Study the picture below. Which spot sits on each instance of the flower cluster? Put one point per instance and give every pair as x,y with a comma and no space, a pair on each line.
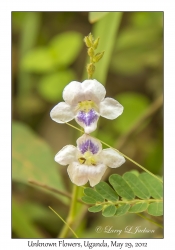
85,102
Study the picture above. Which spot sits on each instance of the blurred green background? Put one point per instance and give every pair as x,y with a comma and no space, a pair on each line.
47,53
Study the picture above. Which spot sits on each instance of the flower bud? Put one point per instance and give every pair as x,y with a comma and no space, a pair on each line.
90,68
98,56
91,52
87,41
95,45
91,38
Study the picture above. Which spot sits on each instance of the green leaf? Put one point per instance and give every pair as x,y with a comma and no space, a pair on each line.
95,16
93,194
38,60
21,223
33,159
51,86
123,209
88,200
106,191
155,209
138,207
109,211
121,187
95,209
65,47
135,104
134,172
154,186
137,185
132,38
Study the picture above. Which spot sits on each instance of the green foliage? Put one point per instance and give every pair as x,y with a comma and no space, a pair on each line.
109,211
20,220
138,207
155,209
93,194
51,86
61,52
122,209
95,209
32,158
106,191
88,200
129,188
38,60
121,187
138,45
135,105
136,185
154,186
66,47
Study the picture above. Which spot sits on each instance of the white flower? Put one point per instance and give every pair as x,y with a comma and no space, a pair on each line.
85,102
87,161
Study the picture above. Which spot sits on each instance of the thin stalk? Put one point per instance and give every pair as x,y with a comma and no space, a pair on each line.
146,170
71,214
64,222
54,190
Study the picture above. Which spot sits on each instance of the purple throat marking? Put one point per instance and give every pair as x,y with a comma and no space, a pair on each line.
88,145
87,118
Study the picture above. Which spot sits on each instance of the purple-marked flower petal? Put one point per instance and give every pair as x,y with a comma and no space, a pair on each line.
93,90
62,113
110,108
87,120
111,158
66,155
95,174
87,117
78,173
73,93
87,143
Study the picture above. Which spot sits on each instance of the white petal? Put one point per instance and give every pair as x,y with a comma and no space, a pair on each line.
111,158
87,120
93,90
95,174
73,93
110,108
66,155
88,143
62,113
78,173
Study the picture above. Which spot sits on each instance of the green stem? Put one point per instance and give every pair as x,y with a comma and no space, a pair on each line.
64,222
71,214
129,202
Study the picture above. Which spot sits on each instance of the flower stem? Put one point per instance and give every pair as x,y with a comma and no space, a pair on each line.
64,222
71,215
